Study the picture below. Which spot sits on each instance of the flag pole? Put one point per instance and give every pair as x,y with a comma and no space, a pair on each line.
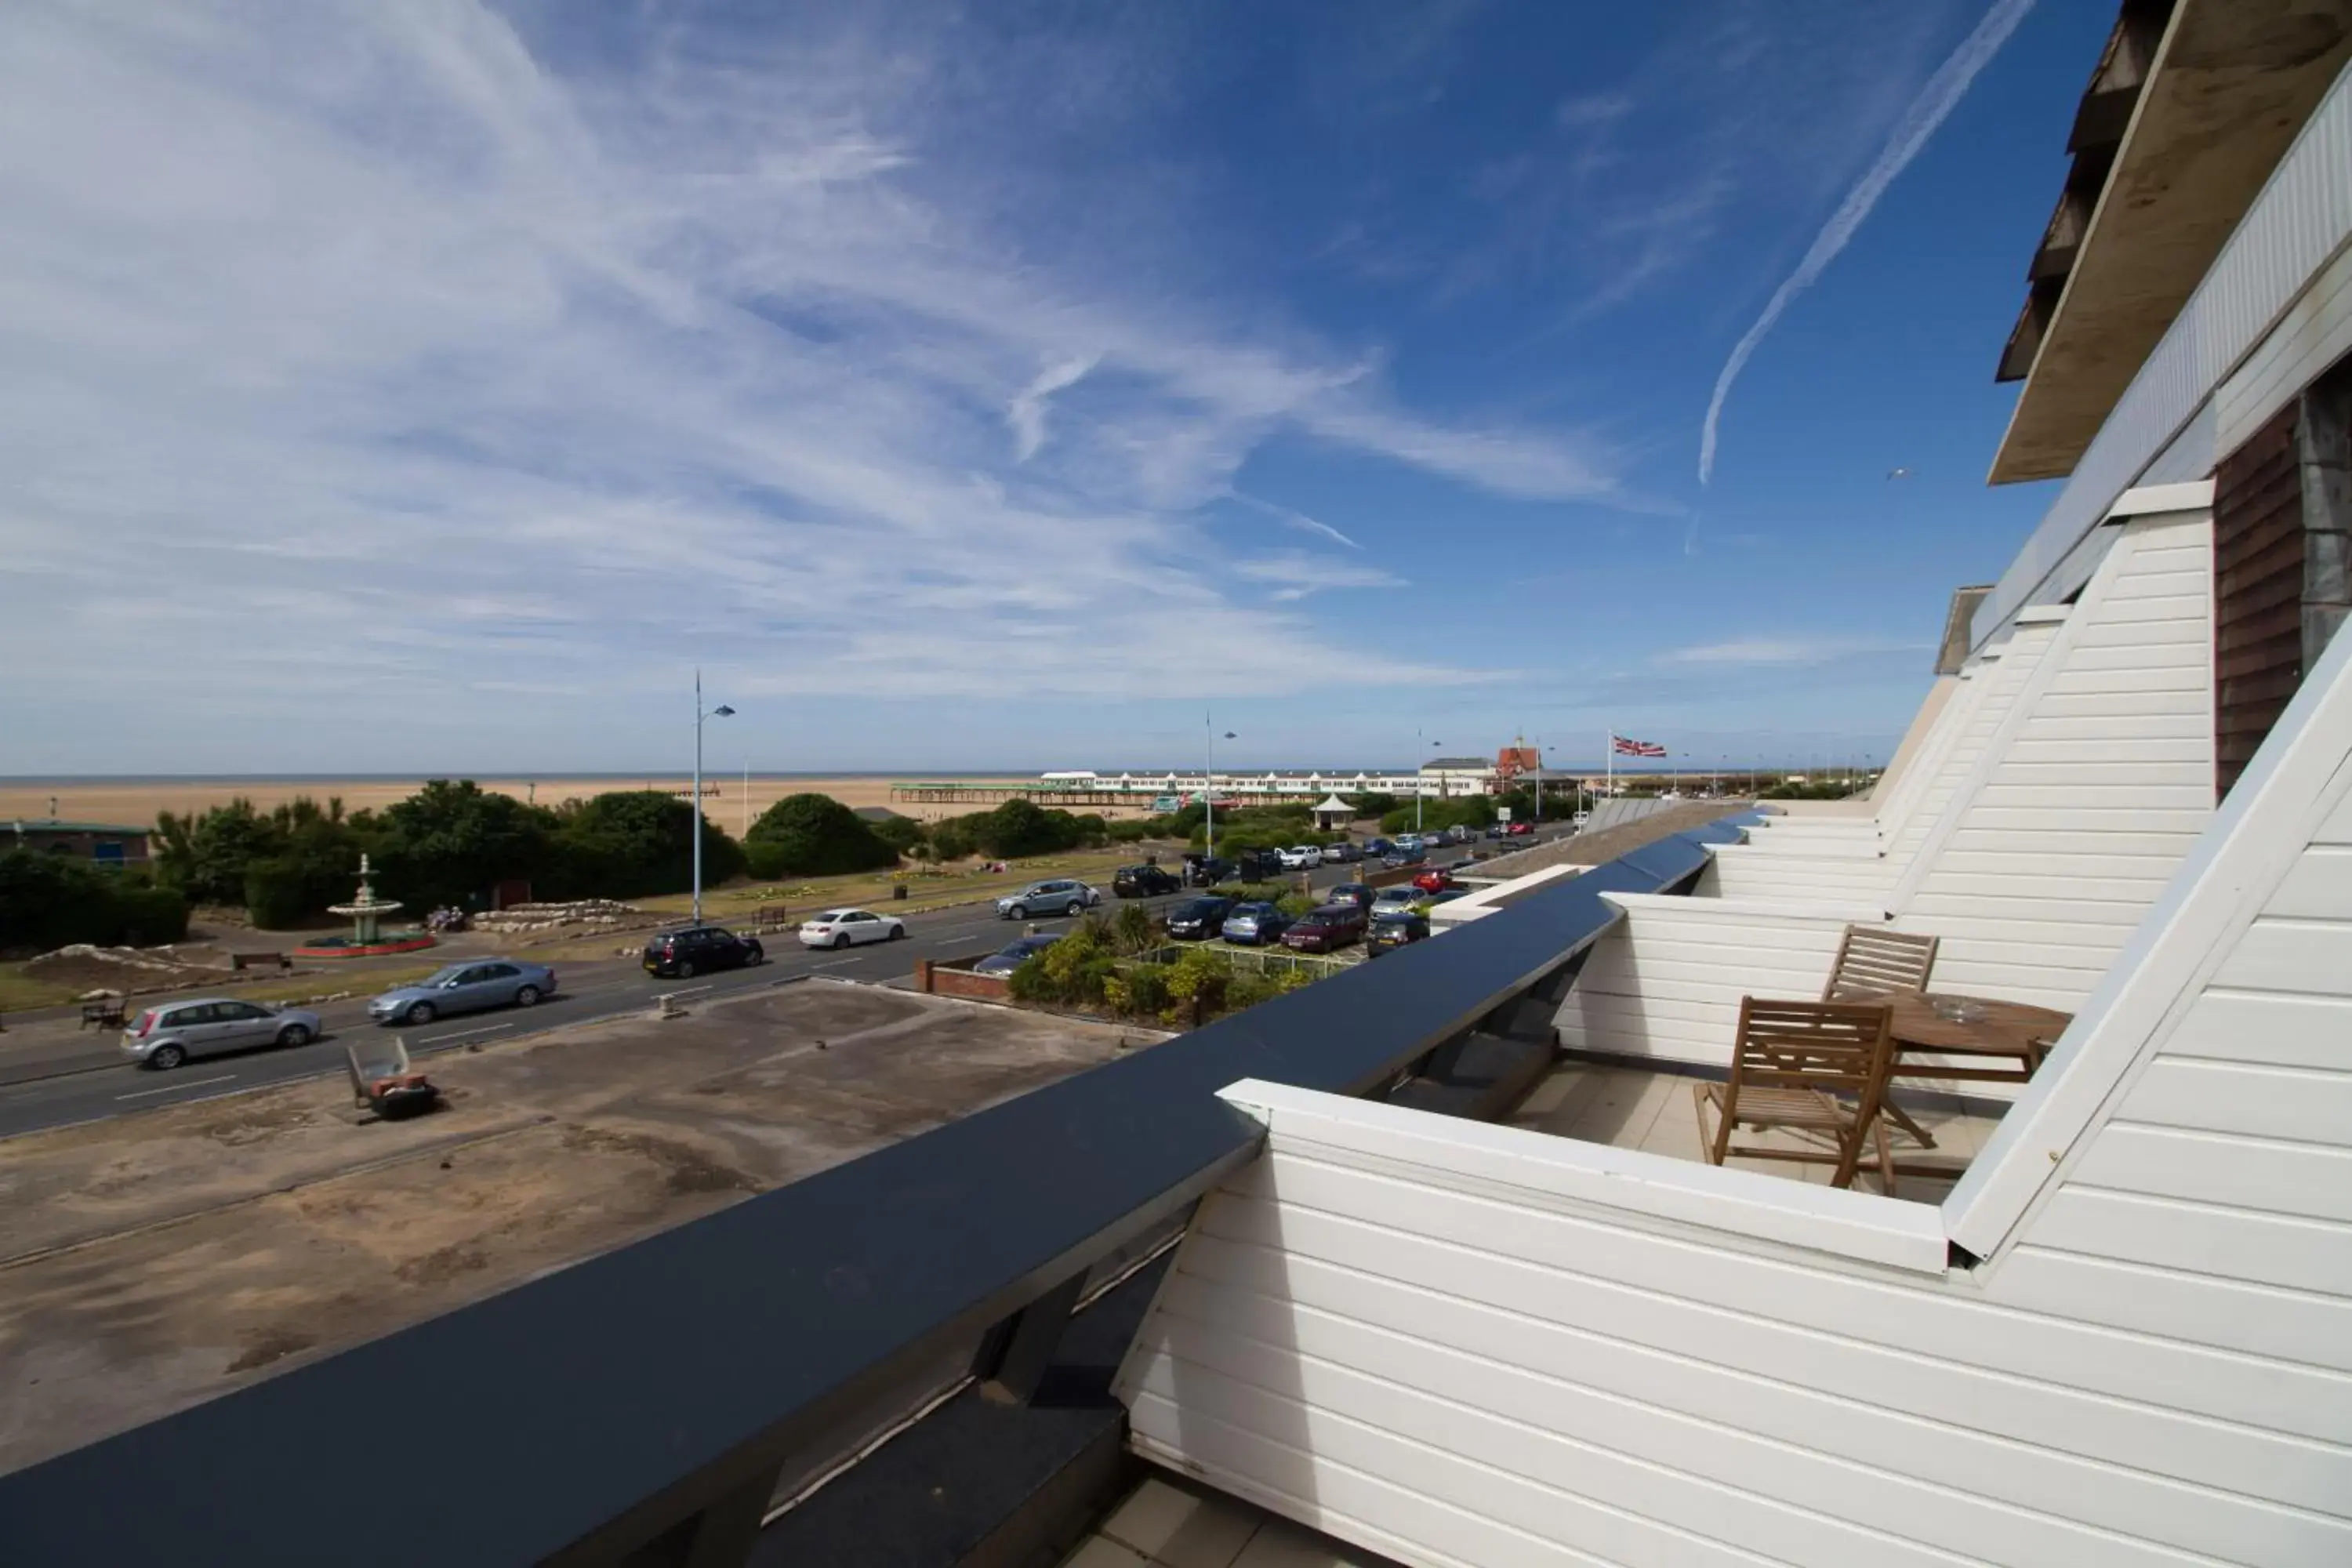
1609,750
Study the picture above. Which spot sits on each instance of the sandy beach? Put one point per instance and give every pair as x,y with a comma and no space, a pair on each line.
731,804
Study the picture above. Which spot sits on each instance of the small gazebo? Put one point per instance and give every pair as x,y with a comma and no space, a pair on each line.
1334,814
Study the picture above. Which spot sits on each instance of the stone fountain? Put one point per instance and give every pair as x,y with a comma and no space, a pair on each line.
367,936
366,910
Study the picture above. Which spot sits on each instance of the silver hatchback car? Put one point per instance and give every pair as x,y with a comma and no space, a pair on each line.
167,1036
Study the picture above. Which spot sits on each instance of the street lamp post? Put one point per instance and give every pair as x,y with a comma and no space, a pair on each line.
1209,785
1422,743
721,711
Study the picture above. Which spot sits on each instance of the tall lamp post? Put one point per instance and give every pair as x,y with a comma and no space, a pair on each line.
1420,770
721,711
1209,785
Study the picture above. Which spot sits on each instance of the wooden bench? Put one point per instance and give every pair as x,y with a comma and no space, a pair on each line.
240,961
106,1012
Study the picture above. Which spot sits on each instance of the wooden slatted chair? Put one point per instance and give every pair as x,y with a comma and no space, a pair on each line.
1810,1066
1874,961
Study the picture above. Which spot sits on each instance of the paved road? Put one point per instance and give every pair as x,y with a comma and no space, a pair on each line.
90,1079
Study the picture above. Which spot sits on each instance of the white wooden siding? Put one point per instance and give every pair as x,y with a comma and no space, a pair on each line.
1666,981
2314,332
1365,1334
2000,878
1813,871
1482,1344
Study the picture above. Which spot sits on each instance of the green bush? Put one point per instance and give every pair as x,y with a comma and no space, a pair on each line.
1129,832
47,901
450,843
1140,991
626,844
903,834
765,861
146,916
1133,931
1019,828
817,836
275,897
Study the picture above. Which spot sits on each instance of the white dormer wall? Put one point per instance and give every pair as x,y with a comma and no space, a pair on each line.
1809,872
1867,817
1455,1343
2084,785
2099,780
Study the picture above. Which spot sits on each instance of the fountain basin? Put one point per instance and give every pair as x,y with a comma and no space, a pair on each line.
346,947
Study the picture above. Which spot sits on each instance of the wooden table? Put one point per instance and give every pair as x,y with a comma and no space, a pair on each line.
2011,1036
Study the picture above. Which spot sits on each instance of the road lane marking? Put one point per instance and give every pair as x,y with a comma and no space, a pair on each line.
467,1033
170,1087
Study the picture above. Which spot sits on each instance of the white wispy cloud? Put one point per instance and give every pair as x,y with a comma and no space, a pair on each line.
374,338
1944,89
1791,652
1296,575
1291,517
1026,414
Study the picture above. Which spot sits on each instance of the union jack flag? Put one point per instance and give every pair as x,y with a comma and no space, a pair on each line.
1632,748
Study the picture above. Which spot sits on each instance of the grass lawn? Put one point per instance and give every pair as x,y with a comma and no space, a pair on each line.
21,993
925,891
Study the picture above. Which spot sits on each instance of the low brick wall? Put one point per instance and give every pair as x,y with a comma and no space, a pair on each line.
953,977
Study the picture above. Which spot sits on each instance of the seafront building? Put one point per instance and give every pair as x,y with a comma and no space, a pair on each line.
1430,1260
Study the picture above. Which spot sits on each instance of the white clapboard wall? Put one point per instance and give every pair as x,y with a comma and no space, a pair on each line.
1766,868
2085,788
1462,1344
2088,799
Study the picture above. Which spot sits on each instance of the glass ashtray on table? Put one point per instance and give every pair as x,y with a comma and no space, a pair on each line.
1958,1009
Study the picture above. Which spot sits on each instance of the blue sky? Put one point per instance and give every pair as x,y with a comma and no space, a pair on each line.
434,385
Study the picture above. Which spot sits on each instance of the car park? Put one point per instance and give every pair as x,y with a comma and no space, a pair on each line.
1012,957
1343,853
1062,896
1206,870
164,1037
1325,929
850,928
1394,929
1257,865
465,988
1400,856
1256,924
699,950
1196,919
1409,842
1357,893
1376,847
1392,899
1145,882
1435,879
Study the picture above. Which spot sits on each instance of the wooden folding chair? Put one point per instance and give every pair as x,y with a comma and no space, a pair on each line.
1874,961
1811,1067
1871,963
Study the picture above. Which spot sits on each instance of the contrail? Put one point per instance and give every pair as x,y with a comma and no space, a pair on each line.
1943,90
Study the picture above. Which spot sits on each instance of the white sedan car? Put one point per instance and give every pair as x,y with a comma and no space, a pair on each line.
1301,858
843,928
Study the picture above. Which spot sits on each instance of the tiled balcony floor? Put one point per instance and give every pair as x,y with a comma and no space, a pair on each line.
1169,1522
1631,1108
